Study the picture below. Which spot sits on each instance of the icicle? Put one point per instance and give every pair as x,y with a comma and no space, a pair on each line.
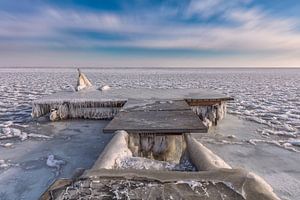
210,114
77,109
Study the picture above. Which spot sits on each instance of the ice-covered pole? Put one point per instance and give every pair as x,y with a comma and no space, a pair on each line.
82,82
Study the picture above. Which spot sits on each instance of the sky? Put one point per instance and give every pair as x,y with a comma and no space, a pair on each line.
144,33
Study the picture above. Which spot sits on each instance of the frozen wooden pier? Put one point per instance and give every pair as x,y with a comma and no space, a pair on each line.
152,142
210,106
156,117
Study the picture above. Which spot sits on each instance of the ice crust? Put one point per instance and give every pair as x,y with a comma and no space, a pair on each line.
210,115
11,133
143,163
81,109
271,96
93,104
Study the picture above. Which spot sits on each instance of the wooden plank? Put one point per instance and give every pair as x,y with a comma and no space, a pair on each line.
193,102
157,122
155,105
122,95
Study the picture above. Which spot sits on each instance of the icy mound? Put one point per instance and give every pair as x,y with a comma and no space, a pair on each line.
140,163
8,133
143,163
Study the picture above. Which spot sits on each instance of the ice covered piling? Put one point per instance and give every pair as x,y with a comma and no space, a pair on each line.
83,82
211,114
202,157
116,149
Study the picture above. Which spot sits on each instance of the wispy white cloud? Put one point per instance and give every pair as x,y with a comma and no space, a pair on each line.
210,8
246,30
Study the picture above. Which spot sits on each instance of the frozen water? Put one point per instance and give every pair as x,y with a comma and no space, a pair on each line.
28,167
276,159
265,96
268,97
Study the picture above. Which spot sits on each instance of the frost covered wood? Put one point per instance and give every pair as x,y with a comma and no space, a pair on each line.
90,102
211,114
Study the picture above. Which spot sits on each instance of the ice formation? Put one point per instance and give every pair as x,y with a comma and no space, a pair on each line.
104,88
9,133
294,142
34,135
285,144
7,145
5,164
83,82
104,109
13,133
116,149
143,163
7,124
54,163
85,110
122,157
202,157
196,184
210,115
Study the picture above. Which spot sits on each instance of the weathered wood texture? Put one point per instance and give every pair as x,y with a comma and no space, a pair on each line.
155,105
158,117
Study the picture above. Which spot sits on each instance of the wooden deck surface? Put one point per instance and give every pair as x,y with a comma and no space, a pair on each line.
157,117
125,94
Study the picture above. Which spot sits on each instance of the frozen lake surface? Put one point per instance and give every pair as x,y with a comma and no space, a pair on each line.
265,126
278,165
75,144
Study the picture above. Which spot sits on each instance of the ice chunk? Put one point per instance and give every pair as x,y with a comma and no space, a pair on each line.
294,142
7,124
7,145
105,87
143,163
34,135
13,132
231,136
54,163
4,164
6,131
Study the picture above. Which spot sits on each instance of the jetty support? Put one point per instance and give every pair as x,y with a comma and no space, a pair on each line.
214,179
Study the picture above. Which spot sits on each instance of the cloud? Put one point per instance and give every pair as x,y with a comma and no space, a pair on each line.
239,29
253,31
209,8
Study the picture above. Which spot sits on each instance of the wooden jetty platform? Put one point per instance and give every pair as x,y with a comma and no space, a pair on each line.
156,117
94,104
150,144
122,95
